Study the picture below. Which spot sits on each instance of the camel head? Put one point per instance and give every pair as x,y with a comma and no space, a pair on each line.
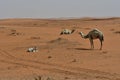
73,30
82,35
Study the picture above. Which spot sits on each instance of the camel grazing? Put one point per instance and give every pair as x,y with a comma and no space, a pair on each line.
67,31
93,34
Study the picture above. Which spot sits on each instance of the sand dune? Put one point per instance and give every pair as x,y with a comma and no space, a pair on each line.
59,57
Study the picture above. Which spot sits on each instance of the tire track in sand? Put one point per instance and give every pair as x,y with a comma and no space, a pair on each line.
56,68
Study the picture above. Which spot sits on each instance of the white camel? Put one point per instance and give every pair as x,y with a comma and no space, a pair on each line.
32,49
93,34
67,31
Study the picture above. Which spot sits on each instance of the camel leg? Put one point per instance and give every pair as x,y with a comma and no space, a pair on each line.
101,45
91,42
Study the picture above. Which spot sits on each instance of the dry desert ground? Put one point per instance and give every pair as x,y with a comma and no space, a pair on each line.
59,57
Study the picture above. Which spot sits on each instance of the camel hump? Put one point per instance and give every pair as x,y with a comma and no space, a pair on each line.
95,29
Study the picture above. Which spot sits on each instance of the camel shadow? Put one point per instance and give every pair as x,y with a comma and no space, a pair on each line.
82,49
87,49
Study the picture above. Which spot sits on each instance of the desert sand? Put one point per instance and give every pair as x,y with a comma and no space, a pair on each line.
59,57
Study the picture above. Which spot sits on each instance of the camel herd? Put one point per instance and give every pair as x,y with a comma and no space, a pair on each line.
93,34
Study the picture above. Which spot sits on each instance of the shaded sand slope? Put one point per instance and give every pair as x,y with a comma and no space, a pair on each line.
66,57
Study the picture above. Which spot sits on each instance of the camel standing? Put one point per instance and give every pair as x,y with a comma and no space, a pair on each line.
93,34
